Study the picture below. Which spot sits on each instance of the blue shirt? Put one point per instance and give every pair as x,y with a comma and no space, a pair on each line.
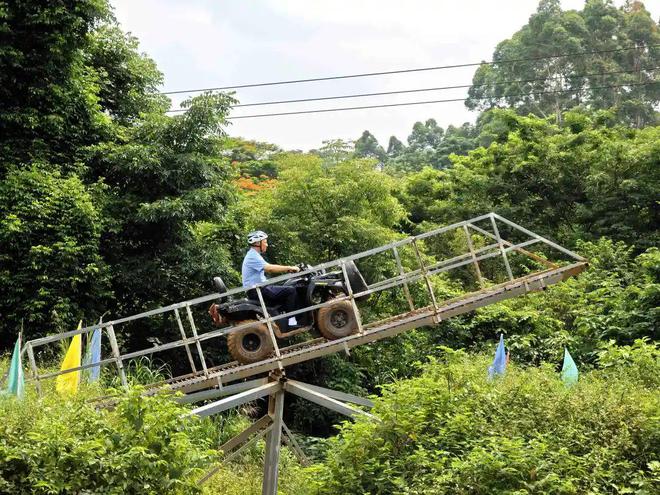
253,270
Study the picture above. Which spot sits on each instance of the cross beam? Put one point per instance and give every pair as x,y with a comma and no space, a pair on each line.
272,425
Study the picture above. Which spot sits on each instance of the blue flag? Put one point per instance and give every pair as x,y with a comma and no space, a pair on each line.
569,371
16,380
499,363
93,355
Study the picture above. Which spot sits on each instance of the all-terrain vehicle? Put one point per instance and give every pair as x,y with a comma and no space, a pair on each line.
336,320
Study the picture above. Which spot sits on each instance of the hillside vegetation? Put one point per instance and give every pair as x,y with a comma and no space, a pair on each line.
110,204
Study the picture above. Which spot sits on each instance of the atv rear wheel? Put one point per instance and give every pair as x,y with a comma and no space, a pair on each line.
250,344
337,320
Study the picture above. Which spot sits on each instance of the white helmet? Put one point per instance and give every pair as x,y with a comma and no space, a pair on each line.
256,236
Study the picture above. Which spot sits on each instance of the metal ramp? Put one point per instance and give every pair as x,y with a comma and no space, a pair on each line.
427,316
479,230
485,240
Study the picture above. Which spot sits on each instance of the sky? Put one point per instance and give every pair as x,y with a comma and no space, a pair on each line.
211,43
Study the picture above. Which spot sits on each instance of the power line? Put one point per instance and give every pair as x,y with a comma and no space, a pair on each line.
341,109
401,71
384,93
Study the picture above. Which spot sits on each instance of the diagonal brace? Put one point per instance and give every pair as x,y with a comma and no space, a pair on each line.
291,441
234,442
216,468
303,391
221,392
336,394
236,400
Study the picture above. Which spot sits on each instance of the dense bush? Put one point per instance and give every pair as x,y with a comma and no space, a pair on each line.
582,180
52,445
451,430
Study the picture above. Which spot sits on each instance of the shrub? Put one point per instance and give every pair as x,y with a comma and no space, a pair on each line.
451,430
51,445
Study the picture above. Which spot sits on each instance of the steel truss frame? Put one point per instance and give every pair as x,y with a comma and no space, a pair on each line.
219,376
272,425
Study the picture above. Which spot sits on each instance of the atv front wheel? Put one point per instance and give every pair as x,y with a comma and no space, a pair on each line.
250,344
337,320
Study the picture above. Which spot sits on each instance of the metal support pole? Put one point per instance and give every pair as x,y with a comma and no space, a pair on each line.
184,337
197,343
358,318
422,266
468,237
116,355
269,324
501,244
406,290
273,442
33,368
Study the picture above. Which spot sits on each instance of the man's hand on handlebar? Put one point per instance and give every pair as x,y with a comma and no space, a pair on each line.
293,269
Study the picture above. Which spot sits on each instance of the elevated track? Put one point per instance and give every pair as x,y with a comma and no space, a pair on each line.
479,231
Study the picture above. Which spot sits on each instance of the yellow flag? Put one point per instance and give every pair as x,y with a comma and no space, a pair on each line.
68,382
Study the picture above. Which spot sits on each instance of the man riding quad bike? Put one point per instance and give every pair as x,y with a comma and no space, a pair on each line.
253,343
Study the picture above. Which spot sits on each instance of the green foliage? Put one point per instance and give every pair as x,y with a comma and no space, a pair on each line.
394,147
550,86
131,209
252,158
48,106
317,213
639,361
140,371
334,151
580,181
451,430
127,81
166,181
430,145
144,445
51,271
367,147
244,478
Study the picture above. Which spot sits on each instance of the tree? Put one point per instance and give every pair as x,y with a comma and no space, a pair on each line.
334,151
150,214
49,108
168,186
549,86
367,147
430,145
582,180
51,270
317,213
425,136
127,80
457,140
394,147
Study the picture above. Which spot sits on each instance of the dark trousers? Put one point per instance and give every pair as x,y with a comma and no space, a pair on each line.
277,295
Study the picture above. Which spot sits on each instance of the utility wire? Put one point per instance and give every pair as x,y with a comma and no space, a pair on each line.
326,110
401,71
384,93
